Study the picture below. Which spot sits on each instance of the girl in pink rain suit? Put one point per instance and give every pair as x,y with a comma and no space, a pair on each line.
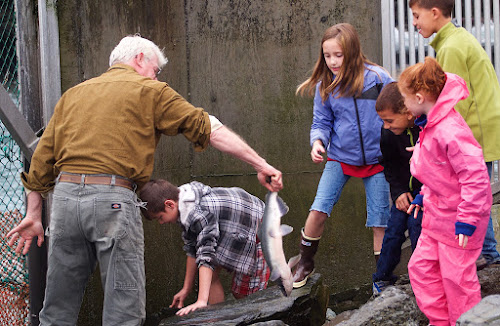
456,195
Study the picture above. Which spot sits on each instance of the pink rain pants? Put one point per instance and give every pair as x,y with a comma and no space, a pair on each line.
444,280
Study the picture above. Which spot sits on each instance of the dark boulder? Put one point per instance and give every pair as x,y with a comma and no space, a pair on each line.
397,305
304,307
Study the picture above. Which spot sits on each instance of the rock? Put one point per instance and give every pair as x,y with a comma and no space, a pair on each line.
486,312
270,323
490,280
305,306
391,307
330,314
397,305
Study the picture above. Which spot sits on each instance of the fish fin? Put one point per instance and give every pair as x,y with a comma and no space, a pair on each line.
285,229
275,274
282,206
294,260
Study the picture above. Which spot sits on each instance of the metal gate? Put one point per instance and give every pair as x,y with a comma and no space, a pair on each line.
14,289
403,46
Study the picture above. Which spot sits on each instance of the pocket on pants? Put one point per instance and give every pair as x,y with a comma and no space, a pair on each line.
126,273
59,216
111,218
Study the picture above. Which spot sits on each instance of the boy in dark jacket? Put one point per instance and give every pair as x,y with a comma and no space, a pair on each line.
398,133
219,230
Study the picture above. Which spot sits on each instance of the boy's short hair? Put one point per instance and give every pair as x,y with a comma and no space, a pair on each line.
154,193
391,99
446,6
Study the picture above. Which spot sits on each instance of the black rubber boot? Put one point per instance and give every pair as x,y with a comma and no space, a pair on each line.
305,267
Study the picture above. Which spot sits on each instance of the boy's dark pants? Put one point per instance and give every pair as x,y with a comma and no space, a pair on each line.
394,237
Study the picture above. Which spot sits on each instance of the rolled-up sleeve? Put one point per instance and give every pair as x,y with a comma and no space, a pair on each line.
42,172
174,115
201,238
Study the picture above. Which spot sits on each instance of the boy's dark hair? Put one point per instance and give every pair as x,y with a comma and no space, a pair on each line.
154,193
391,99
446,6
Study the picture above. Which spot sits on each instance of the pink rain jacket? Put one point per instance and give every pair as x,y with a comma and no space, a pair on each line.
449,162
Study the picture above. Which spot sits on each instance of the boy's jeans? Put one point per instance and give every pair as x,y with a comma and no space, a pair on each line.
93,224
489,251
393,239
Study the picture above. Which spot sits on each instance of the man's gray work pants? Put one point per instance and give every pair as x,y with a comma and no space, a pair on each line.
93,224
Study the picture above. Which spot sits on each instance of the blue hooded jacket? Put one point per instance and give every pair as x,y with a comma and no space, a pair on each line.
350,127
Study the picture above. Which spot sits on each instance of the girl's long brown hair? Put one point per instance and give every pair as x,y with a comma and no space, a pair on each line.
350,79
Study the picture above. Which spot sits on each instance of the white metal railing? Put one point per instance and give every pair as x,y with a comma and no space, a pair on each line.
402,46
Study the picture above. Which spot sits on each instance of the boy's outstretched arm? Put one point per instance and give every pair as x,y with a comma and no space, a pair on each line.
203,293
178,300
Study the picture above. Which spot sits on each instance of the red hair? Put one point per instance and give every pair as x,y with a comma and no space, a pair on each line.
427,77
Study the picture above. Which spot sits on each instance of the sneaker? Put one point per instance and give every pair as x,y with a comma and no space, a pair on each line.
379,286
481,263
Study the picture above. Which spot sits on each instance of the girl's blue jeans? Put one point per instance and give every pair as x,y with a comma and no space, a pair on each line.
333,181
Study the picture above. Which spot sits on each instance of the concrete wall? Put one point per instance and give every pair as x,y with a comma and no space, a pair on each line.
241,60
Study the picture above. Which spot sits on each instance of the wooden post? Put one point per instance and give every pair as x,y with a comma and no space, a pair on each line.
49,57
38,51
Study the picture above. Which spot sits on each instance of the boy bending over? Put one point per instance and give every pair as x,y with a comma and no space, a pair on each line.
219,230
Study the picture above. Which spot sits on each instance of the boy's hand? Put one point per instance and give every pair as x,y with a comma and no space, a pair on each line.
403,201
178,300
197,305
462,240
317,151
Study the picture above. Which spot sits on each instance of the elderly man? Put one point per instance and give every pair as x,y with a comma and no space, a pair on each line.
96,150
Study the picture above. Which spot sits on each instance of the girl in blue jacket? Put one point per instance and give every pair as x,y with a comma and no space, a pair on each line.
346,126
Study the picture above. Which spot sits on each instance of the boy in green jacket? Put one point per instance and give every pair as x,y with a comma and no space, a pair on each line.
458,52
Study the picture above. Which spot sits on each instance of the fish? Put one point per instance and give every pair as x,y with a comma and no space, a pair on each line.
271,233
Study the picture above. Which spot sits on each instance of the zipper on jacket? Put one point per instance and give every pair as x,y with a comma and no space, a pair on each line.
408,131
360,133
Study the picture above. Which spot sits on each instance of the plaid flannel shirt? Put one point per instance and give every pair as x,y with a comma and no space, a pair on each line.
220,226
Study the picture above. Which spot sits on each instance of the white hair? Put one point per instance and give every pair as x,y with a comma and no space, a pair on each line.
132,45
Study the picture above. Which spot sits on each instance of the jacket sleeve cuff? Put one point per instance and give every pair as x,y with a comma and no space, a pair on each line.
418,200
319,137
464,228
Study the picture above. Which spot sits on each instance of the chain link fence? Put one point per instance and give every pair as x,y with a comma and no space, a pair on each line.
14,288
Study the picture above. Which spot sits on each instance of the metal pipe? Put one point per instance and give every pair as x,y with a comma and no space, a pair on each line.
386,36
458,11
487,28
392,32
496,20
468,15
411,38
477,20
17,125
401,28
